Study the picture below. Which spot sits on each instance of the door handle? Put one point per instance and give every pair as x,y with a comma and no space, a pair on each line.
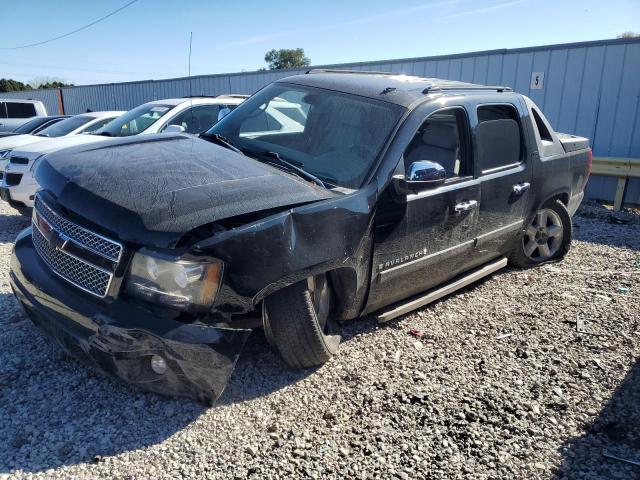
465,206
520,188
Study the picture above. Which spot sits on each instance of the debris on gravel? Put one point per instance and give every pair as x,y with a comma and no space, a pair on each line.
527,374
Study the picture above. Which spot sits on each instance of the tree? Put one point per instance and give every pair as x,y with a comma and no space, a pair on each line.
55,84
286,58
629,35
10,85
48,82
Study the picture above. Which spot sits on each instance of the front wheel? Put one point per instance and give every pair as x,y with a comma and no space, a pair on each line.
296,320
546,238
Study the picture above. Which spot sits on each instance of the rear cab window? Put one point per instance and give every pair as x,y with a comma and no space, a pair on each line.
499,138
20,110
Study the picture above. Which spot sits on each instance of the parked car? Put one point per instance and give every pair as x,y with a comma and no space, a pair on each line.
13,165
34,125
397,191
84,123
190,115
14,112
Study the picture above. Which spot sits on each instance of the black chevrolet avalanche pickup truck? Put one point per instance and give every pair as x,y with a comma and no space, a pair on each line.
322,198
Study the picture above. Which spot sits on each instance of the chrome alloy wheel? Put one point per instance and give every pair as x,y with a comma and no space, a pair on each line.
543,236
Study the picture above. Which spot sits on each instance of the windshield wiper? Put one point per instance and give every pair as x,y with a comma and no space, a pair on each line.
275,159
219,140
104,134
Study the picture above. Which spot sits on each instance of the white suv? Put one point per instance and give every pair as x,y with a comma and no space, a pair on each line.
188,115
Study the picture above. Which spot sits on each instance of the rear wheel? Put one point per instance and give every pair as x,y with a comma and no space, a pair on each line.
546,238
297,321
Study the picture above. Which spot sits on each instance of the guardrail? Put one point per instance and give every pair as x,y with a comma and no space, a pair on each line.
622,168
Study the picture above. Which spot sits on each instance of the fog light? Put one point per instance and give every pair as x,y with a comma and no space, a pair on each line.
158,364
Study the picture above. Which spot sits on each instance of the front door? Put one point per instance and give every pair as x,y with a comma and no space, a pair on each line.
423,239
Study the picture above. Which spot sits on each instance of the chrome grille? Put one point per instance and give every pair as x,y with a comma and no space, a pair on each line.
88,239
77,272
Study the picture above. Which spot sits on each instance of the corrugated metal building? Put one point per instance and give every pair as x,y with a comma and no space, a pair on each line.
590,89
48,97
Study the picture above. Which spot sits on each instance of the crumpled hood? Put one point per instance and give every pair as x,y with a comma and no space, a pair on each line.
153,189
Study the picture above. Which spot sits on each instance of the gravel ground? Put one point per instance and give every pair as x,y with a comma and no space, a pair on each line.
500,385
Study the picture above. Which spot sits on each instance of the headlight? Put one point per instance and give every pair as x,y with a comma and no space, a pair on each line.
182,284
4,154
35,163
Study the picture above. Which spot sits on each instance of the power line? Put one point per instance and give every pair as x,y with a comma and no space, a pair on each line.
74,31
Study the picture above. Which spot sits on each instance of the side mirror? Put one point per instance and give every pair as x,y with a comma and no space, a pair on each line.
174,129
422,175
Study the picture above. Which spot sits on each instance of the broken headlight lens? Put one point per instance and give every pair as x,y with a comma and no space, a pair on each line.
181,284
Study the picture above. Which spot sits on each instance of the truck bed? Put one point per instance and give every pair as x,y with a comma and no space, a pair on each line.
572,143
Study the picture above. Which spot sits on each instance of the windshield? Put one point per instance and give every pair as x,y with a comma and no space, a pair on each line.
332,135
32,125
134,121
64,127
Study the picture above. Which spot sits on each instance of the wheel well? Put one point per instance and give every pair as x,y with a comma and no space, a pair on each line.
344,285
563,197
343,282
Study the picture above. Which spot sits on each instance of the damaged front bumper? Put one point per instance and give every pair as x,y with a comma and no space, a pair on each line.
122,338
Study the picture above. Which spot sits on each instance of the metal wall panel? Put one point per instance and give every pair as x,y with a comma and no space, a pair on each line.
48,97
590,89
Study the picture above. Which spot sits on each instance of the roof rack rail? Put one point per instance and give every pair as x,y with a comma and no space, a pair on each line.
441,88
336,70
222,95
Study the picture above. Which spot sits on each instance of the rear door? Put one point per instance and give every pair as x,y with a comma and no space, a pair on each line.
503,167
424,239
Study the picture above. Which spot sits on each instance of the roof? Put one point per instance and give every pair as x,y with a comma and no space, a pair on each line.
219,99
390,87
116,113
19,100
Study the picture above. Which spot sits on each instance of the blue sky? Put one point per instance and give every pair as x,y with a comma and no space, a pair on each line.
150,39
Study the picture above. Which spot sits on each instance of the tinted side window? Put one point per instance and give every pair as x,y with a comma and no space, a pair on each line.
442,139
197,119
499,139
20,110
3,110
97,125
543,131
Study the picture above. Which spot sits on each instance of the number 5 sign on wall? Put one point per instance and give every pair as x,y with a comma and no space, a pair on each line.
537,80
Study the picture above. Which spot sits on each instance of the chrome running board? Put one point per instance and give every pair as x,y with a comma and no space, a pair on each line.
446,289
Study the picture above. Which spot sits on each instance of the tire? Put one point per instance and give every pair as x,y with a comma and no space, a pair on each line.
296,321
546,238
